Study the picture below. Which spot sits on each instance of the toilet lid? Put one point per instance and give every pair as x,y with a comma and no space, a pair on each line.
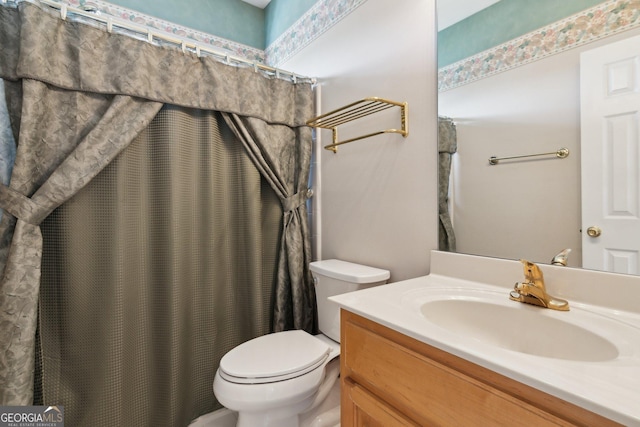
273,357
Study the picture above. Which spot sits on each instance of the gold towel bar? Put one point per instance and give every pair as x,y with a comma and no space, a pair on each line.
561,154
356,110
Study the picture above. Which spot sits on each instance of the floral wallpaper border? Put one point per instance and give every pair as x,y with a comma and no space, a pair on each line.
600,21
322,16
227,46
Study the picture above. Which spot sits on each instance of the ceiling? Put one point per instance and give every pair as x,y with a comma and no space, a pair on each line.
452,11
258,3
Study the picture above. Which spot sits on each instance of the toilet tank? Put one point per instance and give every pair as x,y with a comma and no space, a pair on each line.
334,277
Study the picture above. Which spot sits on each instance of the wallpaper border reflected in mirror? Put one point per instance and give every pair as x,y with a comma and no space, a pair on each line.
598,22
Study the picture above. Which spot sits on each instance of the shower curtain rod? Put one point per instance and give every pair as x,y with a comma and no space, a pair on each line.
151,34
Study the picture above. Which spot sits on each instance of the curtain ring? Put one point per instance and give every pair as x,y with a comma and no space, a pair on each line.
198,53
63,11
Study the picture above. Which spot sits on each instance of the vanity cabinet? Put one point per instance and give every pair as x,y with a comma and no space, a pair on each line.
389,379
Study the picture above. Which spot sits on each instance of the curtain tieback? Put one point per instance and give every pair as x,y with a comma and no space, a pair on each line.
20,206
298,199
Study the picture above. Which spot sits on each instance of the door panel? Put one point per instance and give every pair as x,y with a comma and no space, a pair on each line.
610,122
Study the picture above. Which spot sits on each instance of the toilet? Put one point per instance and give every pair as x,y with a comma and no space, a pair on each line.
280,379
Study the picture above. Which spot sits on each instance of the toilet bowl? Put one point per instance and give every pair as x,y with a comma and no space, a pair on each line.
282,382
275,379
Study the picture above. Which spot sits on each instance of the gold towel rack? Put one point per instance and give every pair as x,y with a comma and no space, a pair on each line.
560,154
356,110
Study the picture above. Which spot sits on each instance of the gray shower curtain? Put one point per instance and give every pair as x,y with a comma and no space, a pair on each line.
169,257
76,97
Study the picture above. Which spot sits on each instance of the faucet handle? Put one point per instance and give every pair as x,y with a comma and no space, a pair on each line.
561,258
532,273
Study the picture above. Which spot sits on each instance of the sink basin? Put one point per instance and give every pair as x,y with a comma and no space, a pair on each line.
524,328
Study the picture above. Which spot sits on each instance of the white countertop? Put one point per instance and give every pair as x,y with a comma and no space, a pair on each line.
610,388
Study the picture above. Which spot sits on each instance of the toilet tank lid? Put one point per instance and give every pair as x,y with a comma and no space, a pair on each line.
348,271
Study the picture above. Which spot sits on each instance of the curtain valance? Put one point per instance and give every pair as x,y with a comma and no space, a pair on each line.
93,60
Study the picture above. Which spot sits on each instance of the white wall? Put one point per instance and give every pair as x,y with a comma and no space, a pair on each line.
379,194
526,209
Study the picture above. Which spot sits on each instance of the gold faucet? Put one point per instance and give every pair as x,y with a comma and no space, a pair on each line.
533,291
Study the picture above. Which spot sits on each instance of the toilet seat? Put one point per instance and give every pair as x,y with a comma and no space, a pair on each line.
274,357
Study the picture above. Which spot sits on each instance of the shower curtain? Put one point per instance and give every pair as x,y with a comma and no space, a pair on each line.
76,97
447,146
169,256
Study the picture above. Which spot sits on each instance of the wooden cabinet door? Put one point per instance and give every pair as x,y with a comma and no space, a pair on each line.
362,409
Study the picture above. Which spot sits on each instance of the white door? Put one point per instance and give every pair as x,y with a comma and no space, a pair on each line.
610,146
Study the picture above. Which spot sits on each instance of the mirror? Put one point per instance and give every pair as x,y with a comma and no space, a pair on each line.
520,208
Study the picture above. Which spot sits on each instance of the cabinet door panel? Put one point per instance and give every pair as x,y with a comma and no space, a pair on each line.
367,410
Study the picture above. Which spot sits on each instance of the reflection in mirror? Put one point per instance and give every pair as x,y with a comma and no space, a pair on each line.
509,79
